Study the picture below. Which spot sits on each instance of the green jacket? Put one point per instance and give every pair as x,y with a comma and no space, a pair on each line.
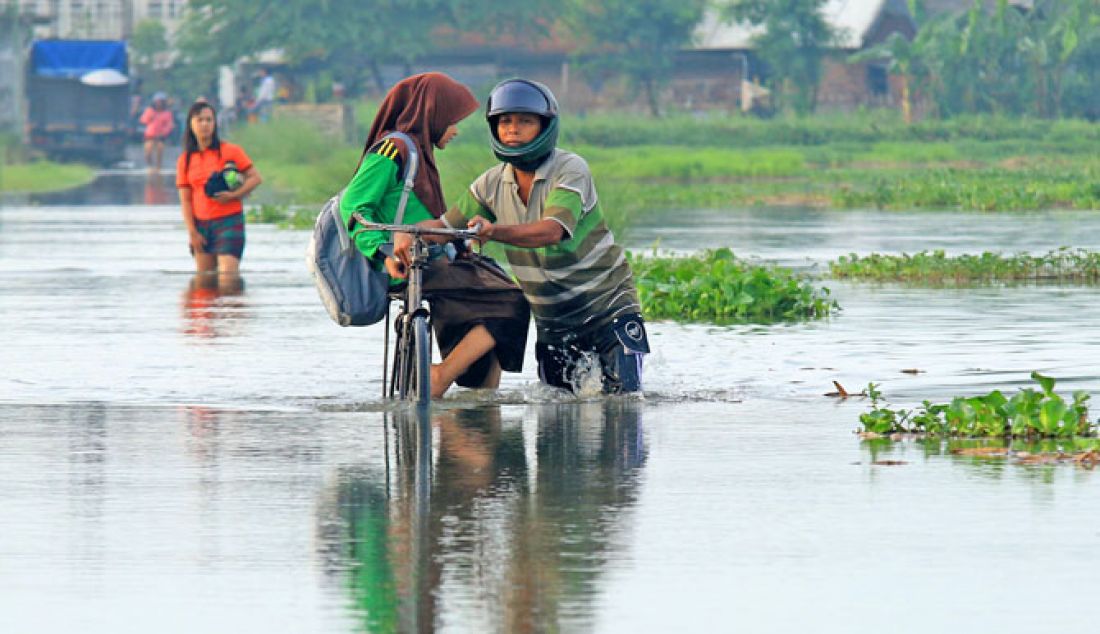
374,192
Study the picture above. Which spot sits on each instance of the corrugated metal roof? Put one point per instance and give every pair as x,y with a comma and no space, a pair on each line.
852,19
962,6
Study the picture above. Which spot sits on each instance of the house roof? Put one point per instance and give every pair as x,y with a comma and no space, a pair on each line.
961,6
853,21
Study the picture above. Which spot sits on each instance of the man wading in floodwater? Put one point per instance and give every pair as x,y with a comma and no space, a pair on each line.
541,203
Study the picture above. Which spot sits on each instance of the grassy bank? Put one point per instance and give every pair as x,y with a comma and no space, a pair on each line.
861,161
18,173
41,176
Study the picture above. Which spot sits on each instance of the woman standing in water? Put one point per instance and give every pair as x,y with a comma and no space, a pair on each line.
215,220
158,123
479,315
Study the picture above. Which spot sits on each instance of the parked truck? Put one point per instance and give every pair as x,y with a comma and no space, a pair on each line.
78,99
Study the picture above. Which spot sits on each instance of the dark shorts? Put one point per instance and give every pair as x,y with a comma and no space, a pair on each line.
619,346
224,236
475,291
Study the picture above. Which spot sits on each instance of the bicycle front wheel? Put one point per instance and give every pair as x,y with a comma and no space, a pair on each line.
422,360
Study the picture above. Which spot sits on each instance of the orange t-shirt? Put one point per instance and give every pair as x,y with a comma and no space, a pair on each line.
202,165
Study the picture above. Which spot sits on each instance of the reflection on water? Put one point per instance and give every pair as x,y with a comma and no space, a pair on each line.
167,443
992,458
159,190
510,526
124,187
804,237
213,305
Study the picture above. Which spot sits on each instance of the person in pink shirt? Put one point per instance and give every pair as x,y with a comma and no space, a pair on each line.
157,120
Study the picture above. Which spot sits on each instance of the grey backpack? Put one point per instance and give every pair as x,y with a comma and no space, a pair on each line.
352,291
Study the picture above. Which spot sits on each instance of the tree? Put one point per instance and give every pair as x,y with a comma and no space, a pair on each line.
638,38
794,41
1041,60
1056,32
341,36
348,39
150,39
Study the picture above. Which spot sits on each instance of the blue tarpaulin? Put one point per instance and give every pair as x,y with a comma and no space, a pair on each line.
75,58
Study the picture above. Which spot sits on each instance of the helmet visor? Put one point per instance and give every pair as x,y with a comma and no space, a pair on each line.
519,96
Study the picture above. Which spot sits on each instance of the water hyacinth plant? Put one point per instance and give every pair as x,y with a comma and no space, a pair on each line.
1028,414
717,287
1061,265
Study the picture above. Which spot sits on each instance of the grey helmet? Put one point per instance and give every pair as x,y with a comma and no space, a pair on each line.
523,95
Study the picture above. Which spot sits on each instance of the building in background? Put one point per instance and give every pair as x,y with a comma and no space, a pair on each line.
95,19
936,7
859,24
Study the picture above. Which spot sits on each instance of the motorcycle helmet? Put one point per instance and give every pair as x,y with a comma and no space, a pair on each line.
522,95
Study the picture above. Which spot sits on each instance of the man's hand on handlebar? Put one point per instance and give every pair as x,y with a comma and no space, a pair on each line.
483,227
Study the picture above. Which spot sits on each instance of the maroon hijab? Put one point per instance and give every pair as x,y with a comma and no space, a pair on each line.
423,107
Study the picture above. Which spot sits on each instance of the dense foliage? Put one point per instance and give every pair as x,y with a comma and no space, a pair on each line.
935,267
717,287
1013,134
793,40
1041,62
1027,414
965,163
637,38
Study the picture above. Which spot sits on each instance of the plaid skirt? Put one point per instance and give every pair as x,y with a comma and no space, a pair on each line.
224,236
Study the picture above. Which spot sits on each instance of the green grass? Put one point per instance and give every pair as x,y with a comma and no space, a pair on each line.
717,287
936,268
643,165
717,130
19,173
1029,413
299,164
977,189
42,176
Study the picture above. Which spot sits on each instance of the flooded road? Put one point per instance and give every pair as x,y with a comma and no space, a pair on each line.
166,445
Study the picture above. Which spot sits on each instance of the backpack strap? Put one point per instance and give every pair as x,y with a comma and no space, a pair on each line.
410,167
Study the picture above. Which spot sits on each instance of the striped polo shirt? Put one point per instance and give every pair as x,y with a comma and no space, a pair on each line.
582,281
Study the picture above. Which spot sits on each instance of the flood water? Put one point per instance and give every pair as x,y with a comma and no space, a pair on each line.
178,457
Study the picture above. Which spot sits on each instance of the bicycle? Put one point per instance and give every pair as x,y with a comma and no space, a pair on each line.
411,375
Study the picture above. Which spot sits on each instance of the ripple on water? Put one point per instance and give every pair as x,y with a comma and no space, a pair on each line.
233,451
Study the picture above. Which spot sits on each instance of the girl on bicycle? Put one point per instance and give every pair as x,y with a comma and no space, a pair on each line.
540,202
479,316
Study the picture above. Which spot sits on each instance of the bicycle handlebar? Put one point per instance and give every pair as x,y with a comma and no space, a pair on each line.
416,230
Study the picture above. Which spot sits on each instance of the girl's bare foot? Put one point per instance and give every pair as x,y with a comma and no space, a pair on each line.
439,384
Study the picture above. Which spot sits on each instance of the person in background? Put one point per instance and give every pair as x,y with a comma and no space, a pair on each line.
215,224
479,315
540,202
265,95
159,125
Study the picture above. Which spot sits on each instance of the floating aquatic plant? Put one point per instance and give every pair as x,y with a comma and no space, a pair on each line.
935,267
717,287
1029,413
